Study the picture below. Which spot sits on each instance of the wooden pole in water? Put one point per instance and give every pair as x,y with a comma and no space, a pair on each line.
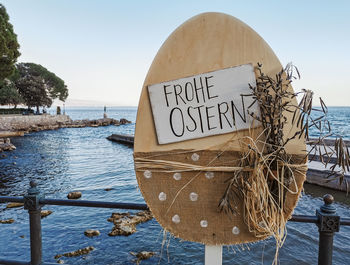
213,255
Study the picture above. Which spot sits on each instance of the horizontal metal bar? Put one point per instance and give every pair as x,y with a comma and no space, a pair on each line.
313,219
328,142
18,262
11,199
13,262
100,204
142,206
345,221
304,219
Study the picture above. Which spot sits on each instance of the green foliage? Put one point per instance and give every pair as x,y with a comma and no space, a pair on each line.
9,94
27,83
8,45
33,91
54,85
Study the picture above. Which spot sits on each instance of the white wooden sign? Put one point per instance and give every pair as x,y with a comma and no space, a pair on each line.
202,105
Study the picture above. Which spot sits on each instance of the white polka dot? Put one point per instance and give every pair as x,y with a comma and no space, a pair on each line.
147,174
209,175
162,196
176,219
195,157
177,176
193,196
235,230
204,223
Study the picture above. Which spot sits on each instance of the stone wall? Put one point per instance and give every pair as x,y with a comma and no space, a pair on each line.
23,122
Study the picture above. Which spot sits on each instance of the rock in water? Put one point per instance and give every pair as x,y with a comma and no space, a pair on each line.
123,229
142,255
124,121
91,233
45,213
74,195
143,216
75,253
116,217
125,223
5,145
14,204
7,221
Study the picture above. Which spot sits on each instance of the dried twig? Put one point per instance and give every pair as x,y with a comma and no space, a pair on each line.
263,189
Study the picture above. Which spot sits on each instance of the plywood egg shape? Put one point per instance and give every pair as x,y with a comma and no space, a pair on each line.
185,203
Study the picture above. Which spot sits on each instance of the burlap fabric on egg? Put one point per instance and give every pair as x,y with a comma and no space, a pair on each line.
183,182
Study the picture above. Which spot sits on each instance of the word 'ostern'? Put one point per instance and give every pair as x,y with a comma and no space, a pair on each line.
202,105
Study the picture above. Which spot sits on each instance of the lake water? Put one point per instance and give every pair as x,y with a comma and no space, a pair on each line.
83,159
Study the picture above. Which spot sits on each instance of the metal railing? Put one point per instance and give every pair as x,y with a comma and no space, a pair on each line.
326,219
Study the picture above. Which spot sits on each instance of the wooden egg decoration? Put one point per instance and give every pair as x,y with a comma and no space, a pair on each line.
185,202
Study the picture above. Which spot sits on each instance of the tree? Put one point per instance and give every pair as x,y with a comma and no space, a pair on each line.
38,86
9,94
55,86
8,45
34,91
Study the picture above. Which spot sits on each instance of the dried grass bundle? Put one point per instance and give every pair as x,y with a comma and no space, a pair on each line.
263,189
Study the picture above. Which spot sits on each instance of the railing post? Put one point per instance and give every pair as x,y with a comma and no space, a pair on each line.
31,203
328,223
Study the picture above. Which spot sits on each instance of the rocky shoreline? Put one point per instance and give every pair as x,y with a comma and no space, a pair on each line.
75,124
20,125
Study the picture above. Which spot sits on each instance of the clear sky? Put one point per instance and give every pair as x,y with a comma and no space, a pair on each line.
102,49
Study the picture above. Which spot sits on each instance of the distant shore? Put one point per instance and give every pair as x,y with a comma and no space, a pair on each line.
18,125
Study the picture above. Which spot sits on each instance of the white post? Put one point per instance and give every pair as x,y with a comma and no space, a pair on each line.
213,255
